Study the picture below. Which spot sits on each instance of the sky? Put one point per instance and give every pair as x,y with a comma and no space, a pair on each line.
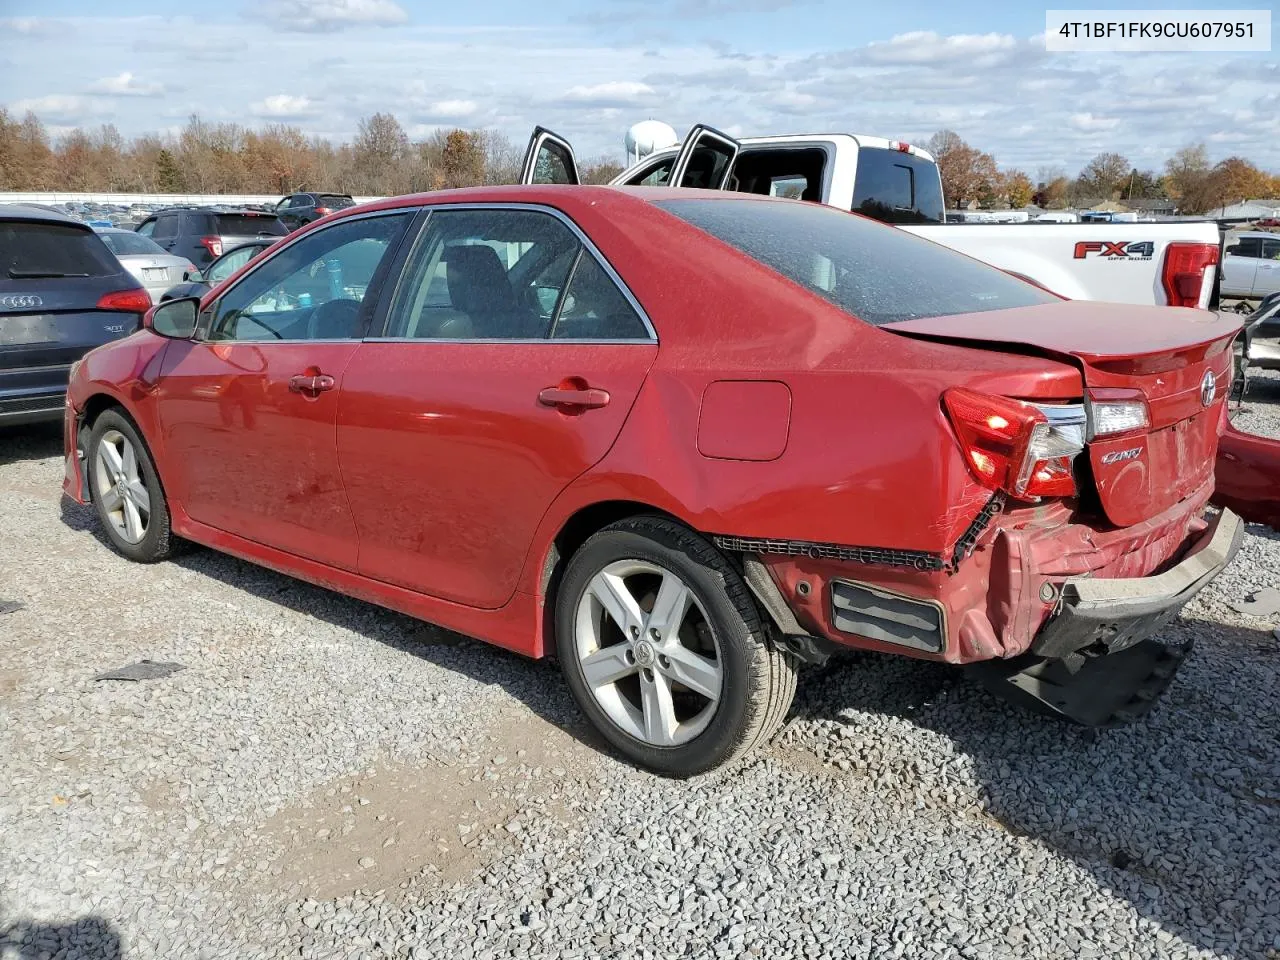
590,69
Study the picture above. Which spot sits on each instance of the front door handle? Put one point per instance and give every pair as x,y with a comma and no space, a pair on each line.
304,383
587,398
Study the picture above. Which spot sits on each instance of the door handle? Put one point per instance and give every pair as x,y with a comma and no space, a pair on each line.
587,398
303,383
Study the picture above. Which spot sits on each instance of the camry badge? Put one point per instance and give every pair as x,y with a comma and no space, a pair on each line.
1119,456
1208,388
20,301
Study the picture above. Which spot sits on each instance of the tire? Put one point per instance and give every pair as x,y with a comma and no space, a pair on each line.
721,625
113,429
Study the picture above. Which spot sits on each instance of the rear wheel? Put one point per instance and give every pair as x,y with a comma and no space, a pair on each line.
126,490
665,651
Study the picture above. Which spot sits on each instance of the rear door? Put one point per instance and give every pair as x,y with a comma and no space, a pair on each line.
705,159
548,159
1240,267
510,360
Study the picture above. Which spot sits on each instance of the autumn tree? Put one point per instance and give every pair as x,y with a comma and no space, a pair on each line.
1235,179
1104,174
1018,188
600,170
1186,178
462,159
378,153
967,174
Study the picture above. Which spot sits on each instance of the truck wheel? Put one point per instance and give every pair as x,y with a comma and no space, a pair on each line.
664,649
126,490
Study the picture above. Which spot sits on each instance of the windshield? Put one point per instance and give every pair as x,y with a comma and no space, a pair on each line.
897,187
877,273
132,244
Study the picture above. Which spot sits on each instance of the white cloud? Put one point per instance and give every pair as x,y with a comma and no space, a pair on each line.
55,106
317,16
1090,123
453,109
925,46
30,26
282,106
126,85
609,92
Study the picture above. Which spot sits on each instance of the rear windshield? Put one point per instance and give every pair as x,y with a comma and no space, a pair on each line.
249,225
877,273
897,187
132,244
36,250
334,202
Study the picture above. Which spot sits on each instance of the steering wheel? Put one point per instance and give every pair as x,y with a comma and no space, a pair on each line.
333,320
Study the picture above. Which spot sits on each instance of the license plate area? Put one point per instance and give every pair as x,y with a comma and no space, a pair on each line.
29,329
155,273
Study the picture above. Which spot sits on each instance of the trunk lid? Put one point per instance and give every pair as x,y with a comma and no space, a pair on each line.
1176,360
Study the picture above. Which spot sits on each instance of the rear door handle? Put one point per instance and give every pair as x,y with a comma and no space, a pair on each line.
585,399
303,383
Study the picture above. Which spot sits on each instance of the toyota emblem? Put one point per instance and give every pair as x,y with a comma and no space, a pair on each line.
20,301
1208,388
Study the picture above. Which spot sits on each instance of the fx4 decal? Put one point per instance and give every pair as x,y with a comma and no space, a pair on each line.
1119,250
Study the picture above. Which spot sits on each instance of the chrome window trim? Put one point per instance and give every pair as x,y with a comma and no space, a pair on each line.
523,340
564,218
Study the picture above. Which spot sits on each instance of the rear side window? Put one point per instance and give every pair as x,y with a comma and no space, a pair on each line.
871,271
247,225
30,251
132,244
166,225
896,187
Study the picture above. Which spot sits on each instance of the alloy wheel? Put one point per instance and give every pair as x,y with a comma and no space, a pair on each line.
648,653
126,502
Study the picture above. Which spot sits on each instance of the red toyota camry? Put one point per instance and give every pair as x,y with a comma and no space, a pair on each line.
684,440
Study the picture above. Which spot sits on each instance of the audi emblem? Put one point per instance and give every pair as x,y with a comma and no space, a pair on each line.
1208,388
20,301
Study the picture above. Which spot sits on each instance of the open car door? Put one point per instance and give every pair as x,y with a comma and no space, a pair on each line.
705,160
549,159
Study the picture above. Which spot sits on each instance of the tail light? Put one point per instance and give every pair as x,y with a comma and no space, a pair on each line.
128,301
323,211
1014,446
1112,417
1185,265
213,245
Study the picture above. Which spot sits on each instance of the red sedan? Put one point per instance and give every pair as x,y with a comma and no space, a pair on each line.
684,440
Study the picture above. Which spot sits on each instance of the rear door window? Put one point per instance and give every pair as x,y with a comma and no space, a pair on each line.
166,226
896,187
874,272
30,251
249,225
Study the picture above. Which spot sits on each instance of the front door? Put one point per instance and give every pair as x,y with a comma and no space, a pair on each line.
511,360
705,159
548,159
249,410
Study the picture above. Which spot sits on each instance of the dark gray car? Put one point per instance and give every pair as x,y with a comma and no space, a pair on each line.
299,209
201,234
62,293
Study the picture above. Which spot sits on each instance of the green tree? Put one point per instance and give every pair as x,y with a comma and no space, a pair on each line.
168,178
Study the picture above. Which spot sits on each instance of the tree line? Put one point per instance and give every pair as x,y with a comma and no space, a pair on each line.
383,160
216,158
1189,180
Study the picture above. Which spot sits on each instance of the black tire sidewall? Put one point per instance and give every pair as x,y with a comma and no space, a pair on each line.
155,543
737,647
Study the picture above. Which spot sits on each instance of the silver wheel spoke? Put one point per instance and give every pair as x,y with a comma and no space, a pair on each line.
129,462
693,670
111,456
608,665
669,608
132,521
614,596
138,494
659,711
111,499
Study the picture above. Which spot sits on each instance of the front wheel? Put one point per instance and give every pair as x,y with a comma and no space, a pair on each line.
126,490
664,649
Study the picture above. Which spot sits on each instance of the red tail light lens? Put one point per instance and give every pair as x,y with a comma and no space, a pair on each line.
1011,446
213,245
127,301
1185,265
323,211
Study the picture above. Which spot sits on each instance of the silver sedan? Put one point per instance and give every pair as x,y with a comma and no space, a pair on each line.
155,267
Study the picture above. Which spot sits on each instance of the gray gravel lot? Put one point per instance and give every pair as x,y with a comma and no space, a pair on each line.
327,779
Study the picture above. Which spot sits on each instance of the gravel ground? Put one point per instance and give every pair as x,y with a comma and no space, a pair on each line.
326,779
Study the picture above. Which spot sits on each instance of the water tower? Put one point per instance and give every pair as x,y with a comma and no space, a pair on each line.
647,136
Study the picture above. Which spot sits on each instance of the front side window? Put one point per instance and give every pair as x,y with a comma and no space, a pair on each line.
1249,247
148,228
316,289
166,226
874,272
654,175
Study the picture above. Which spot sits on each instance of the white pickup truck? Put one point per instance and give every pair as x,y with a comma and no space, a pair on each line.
1172,263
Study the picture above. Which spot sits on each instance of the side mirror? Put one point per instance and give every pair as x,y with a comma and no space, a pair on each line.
194,276
175,319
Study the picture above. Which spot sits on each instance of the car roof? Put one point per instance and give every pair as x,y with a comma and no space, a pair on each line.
23,211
